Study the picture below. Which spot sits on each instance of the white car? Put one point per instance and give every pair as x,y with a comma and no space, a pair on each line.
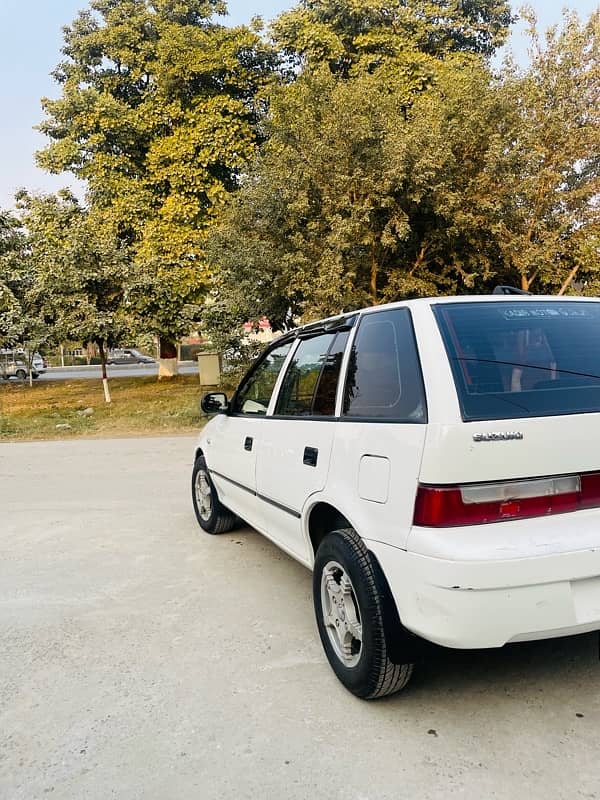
15,362
435,462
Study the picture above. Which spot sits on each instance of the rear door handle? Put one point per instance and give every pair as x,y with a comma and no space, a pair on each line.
248,443
311,455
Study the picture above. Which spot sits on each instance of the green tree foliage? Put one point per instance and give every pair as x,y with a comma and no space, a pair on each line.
25,318
543,178
353,36
357,200
359,197
13,280
159,113
82,272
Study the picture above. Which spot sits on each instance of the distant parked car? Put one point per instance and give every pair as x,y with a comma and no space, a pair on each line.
127,355
16,369
38,363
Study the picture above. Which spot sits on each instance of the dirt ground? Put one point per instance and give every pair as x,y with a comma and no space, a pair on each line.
143,660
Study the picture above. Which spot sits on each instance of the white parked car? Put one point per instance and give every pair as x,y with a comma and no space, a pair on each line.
435,462
16,368
15,363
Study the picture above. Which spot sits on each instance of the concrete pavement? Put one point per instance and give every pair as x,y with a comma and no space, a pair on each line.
141,659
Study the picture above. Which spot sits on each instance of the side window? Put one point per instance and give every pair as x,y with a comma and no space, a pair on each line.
384,376
303,374
254,394
324,403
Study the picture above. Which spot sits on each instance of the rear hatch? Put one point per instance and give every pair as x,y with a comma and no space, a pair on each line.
527,375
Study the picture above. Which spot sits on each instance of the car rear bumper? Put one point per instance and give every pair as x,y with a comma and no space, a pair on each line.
479,604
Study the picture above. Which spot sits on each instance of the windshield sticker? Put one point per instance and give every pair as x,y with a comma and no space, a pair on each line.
549,312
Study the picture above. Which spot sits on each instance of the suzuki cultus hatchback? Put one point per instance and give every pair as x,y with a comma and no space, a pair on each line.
436,463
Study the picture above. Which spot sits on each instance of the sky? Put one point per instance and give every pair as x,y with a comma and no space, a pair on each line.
30,41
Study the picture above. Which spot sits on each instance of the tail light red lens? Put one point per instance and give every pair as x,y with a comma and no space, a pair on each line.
476,504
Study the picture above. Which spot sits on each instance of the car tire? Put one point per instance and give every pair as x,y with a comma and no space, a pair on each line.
350,608
21,374
213,517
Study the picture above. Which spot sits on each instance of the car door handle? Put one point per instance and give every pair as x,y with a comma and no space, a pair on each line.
310,456
248,443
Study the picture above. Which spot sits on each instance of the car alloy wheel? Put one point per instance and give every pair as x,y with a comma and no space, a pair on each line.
341,614
203,495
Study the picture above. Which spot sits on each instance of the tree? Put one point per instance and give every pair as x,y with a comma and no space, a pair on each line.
159,114
12,245
345,206
542,181
362,197
24,318
354,36
359,200
82,273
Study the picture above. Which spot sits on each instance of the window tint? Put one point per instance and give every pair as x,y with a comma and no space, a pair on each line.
384,376
303,374
254,394
324,402
523,359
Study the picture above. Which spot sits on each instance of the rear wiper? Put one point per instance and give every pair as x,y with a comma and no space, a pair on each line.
527,366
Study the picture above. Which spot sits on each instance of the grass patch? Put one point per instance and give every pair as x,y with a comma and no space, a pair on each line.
139,406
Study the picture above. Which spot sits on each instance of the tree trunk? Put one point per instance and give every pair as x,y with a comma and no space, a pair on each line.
569,280
107,397
167,362
374,278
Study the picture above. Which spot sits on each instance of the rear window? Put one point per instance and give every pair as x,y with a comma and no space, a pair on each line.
514,360
384,375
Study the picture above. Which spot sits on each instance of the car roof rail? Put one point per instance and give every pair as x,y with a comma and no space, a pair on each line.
509,290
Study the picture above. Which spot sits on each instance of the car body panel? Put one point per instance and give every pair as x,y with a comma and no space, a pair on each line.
401,447
547,446
469,604
284,480
232,465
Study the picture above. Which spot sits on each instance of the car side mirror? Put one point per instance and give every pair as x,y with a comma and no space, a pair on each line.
214,403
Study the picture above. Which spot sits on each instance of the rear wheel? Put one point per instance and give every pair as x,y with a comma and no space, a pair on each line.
212,515
350,607
21,374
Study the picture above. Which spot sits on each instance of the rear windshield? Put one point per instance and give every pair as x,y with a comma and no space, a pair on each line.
523,359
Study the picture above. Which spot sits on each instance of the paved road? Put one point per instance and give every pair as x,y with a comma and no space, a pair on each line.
141,660
114,371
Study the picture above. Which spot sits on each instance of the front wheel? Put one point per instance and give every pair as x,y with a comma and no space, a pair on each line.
349,607
211,514
21,374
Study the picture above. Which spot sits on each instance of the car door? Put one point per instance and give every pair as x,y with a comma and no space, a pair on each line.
380,438
295,445
233,439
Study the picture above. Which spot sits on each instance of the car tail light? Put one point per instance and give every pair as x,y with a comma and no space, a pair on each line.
478,503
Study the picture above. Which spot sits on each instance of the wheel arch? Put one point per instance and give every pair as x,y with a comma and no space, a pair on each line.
323,518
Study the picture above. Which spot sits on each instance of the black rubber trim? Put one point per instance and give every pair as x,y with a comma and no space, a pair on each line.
290,511
268,500
235,483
